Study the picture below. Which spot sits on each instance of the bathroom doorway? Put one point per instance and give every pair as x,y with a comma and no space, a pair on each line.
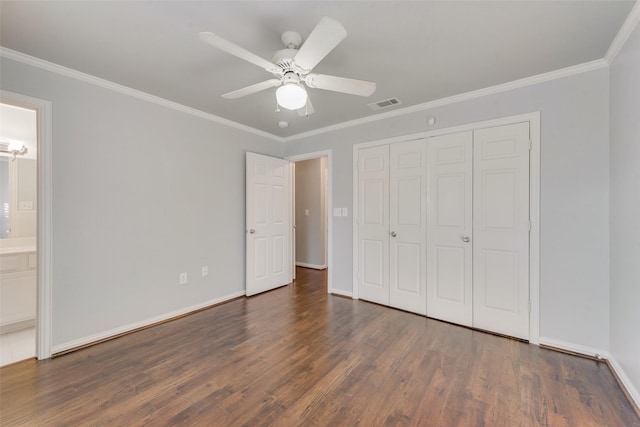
18,232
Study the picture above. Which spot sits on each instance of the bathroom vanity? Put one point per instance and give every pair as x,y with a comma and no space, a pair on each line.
18,278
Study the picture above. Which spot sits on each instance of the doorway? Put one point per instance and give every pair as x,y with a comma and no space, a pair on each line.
18,231
310,207
38,205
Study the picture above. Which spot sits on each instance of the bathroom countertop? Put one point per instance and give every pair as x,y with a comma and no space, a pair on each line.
18,245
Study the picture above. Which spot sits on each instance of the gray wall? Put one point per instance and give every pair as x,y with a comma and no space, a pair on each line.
141,193
625,208
574,291
309,229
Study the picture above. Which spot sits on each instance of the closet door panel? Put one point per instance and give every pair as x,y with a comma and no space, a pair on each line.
407,232
449,228
373,224
501,230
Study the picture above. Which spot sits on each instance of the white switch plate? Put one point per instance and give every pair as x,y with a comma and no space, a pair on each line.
183,278
345,212
306,212
337,212
205,271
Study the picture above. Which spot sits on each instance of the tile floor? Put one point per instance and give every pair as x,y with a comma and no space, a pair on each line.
17,346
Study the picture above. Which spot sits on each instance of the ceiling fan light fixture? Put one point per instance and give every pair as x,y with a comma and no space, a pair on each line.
291,96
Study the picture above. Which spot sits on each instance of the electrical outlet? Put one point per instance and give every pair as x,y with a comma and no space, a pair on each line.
205,271
183,278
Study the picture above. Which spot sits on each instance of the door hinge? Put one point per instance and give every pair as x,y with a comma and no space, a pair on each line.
529,225
529,145
529,306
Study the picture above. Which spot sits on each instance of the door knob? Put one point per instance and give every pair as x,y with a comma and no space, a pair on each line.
393,234
466,239
251,231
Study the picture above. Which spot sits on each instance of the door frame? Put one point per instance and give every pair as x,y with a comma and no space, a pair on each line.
534,201
44,247
329,203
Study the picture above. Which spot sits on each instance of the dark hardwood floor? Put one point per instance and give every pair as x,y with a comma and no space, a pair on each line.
296,356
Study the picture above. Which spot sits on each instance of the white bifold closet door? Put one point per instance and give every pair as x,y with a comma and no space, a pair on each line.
450,223
373,224
392,225
408,225
478,229
501,230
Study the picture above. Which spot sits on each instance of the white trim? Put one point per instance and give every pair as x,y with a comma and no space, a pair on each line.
314,266
342,293
87,78
623,34
534,200
534,234
44,239
142,323
329,155
292,215
575,348
516,84
624,379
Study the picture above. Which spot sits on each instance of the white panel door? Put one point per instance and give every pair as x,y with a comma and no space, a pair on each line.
449,226
501,230
407,226
373,224
267,216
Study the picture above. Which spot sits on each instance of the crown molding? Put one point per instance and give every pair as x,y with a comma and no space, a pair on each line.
625,31
516,84
97,81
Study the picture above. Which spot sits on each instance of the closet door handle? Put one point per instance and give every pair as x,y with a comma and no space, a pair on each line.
393,234
466,239
252,231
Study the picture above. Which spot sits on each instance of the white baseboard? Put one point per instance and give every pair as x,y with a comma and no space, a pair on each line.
632,391
136,325
575,348
341,293
314,266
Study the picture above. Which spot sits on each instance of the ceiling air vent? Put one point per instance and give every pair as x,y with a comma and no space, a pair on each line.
386,103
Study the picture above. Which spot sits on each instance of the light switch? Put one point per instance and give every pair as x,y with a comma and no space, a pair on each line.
337,212
345,212
306,212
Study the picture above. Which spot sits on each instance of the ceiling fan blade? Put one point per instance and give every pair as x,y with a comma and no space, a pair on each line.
307,110
235,50
252,89
322,40
340,84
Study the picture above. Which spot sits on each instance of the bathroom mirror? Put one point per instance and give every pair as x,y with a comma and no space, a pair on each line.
18,197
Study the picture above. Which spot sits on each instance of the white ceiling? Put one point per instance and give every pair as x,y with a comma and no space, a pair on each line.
418,51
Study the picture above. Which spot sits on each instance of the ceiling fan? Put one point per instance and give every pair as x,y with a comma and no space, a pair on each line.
292,66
